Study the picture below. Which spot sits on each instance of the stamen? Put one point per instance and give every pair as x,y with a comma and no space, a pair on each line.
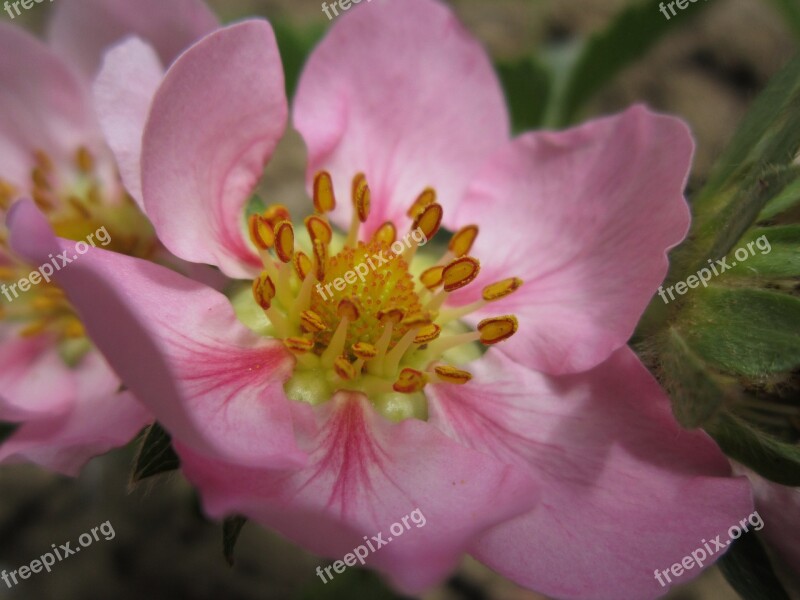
410,381
449,374
427,197
344,368
261,232
39,178
43,160
461,242
428,222
428,334
361,206
299,345
84,160
319,229
263,291
7,193
311,322
347,312
491,293
276,213
302,264
386,234
284,241
497,329
460,272
324,198
433,277
320,259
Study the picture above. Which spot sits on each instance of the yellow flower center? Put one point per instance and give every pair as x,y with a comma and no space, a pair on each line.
366,317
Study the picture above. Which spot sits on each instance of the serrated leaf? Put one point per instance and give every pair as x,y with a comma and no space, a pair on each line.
7,430
774,253
155,455
768,456
749,571
630,35
697,392
231,529
527,85
743,331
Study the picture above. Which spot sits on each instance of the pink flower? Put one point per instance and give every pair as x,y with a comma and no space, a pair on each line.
60,390
552,457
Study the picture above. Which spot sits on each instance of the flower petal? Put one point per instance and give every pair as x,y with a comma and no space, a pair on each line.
123,91
625,489
100,420
81,30
365,474
177,345
44,105
214,123
585,217
402,92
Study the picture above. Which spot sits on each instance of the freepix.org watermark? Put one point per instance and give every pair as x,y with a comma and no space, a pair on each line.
26,4
335,6
709,549
705,274
682,4
361,270
45,271
48,559
360,553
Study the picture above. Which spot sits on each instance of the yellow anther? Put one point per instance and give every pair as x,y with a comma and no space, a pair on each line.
39,178
302,264
33,329
298,345
448,374
261,233
84,160
42,200
276,213
43,160
418,318
390,315
365,350
324,198
74,329
344,368
501,289
426,198
284,241
428,334
410,381
79,207
461,242
347,309
320,258
432,278
7,193
497,329
311,322
319,229
361,197
386,234
7,274
429,220
460,272
263,291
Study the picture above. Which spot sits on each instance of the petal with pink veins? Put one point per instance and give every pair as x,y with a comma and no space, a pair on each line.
177,345
364,475
625,490
100,420
123,91
214,122
585,218
402,92
81,30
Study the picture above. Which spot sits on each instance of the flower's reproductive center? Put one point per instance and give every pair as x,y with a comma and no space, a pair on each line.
387,334
78,200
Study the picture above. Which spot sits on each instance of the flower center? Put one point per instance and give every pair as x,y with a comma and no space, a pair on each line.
82,204
364,318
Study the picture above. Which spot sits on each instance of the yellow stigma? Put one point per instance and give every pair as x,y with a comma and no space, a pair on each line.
357,315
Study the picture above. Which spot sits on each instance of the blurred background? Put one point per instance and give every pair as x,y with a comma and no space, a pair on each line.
706,68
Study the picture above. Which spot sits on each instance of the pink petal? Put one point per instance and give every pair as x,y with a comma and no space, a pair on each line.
585,217
402,92
34,380
123,92
43,104
364,475
178,346
625,489
214,123
100,420
81,30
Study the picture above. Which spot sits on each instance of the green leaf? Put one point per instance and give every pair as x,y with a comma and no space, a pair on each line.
788,198
631,34
155,455
749,571
231,528
770,457
255,205
527,86
791,13
697,392
743,331
773,253
295,44
7,430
